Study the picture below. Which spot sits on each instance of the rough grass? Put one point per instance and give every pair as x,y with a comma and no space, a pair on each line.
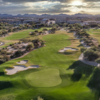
95,33
74,74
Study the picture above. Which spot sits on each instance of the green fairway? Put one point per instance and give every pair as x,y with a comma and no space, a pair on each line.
44,78
94,31
60,77
23,34
19,35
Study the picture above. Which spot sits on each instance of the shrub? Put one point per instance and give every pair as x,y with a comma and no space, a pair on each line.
83,49
1,61
33,33
18,53
98,60
14,46
25,40
19,42
6,58
3,52
90,55
45,29
42,43
29,47
94,48
36,31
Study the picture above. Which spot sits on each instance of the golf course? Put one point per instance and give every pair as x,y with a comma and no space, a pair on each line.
61,76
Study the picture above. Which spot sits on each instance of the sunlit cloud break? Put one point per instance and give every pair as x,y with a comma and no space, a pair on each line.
49,6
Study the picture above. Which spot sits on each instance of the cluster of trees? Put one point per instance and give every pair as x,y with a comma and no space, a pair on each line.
77,26
82,34
51,31
91,54
38,43
74,27
88,41
6,28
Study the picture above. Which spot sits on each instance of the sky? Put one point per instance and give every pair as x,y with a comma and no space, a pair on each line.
49,6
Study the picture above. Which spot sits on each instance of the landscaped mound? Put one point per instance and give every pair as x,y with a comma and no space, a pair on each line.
44,78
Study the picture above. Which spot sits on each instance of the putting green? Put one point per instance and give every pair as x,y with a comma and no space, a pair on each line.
44,78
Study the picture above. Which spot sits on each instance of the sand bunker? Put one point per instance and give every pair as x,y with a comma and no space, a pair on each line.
1,43
22,62
61,50
68,48
19,68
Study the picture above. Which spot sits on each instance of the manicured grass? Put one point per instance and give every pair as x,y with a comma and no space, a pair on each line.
72,75
44,78
23,34
19,35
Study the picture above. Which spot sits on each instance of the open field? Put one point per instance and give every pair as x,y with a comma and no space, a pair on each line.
60,77
95,33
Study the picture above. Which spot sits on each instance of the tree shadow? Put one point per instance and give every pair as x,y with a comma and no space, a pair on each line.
70,52
94,82
80,69
2,73
5,84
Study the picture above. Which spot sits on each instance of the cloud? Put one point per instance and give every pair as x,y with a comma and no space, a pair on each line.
89,5
62,1
46,6
23,8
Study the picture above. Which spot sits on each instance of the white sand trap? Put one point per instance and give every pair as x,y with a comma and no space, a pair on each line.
61,50
1,43
22,62
19,68
67,48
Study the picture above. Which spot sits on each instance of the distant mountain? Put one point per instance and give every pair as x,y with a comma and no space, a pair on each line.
79,14
5,16
47,15
62,14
